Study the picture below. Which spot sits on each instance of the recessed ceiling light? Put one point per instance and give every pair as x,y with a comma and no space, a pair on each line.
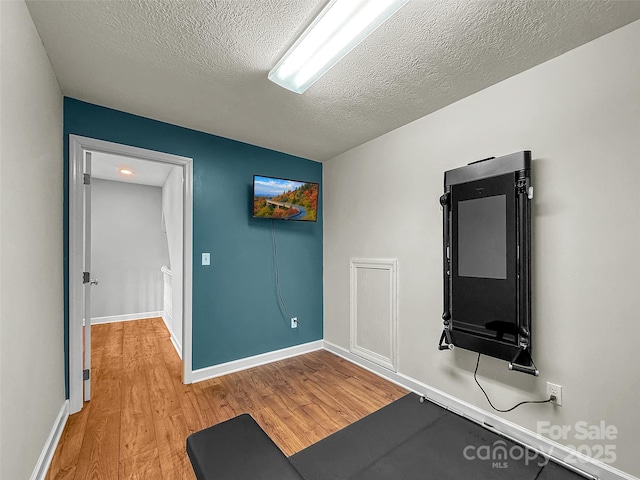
339,27
126,171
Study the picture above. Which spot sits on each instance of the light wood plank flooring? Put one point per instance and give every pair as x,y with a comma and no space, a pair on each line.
137,422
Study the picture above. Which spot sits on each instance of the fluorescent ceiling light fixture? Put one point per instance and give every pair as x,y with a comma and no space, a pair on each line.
126,171
339,28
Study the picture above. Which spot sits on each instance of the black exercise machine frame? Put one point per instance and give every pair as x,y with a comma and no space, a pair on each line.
517,352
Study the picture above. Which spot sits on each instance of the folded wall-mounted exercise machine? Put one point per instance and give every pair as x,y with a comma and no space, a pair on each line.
486,211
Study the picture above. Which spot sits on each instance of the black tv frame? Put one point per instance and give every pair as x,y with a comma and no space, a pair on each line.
253,193
488,332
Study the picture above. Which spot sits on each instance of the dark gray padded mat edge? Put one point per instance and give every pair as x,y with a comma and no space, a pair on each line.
411,440
238,449
346,452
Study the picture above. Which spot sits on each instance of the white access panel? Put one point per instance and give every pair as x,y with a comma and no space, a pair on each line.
374,310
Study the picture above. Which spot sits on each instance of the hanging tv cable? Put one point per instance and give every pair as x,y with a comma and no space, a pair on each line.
283,305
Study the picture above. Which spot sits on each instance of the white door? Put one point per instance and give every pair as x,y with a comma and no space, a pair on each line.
87,281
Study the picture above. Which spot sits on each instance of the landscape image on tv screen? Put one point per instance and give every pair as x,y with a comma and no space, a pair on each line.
284,199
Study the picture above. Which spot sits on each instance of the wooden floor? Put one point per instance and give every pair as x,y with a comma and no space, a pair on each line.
140,414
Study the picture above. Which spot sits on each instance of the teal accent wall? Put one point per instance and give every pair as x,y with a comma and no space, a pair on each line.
235,307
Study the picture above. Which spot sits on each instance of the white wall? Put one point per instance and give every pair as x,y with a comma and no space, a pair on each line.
128,248
172,210
579,114
31,268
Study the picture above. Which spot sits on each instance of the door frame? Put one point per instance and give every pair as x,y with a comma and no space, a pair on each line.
78,145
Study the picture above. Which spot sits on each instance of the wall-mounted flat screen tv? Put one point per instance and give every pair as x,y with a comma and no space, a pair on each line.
285,199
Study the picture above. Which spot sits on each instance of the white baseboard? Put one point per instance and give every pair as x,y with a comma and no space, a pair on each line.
167,320
167,323
44,461
126,318
176,344
543,445
257,360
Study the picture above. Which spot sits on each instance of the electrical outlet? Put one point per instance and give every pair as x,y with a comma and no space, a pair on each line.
556,391
294,322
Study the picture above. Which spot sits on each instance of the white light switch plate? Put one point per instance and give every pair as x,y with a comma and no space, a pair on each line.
206,259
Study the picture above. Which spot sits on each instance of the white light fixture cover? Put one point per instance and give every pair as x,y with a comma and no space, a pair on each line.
339,27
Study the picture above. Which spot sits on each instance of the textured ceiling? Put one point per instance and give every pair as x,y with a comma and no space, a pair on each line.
203,64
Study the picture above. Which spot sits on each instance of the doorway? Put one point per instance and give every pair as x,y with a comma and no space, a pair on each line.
81,151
